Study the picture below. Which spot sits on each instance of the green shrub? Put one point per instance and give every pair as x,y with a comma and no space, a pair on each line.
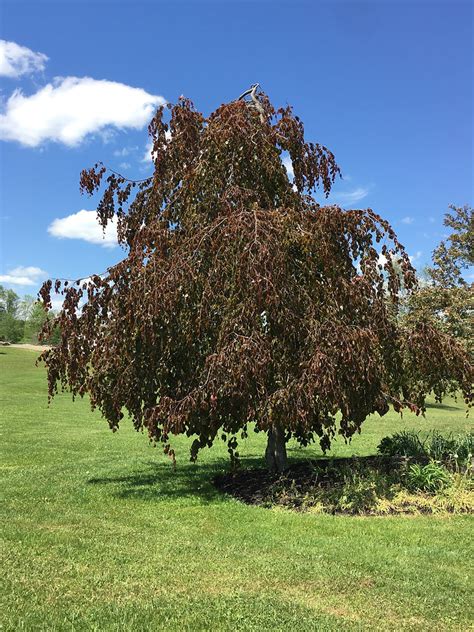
465,448
451,450
404,443
441,448
427,478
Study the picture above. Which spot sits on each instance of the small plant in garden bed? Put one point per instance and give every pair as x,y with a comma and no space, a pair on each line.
431,477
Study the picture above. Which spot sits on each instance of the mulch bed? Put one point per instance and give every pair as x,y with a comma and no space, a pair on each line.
253,486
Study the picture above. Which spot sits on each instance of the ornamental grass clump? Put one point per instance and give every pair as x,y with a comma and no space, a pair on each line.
454,451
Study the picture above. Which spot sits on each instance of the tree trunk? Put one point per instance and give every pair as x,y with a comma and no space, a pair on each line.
275,454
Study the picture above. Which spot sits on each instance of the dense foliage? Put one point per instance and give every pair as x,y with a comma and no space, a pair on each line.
447,296
241,299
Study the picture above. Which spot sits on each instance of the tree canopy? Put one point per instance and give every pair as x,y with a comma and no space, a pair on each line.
241,299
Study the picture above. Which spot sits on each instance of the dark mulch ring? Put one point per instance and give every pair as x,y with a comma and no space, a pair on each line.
359,485
254,486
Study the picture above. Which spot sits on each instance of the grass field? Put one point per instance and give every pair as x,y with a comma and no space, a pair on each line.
99,533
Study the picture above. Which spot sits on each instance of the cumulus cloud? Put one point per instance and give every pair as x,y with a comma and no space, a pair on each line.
407,220
84,225
57,304
16,60
71,108
23,275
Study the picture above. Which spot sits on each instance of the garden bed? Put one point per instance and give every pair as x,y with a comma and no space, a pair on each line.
369,485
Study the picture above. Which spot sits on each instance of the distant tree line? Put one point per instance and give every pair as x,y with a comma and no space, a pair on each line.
22,319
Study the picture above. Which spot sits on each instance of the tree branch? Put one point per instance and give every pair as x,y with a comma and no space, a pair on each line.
252,91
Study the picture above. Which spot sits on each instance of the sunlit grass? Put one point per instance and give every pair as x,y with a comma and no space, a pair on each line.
101,534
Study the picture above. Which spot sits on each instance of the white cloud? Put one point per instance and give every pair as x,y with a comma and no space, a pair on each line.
84,225
23,275
71,108
16,60
125,165
57,301
382,260
343,198
407,220
350,197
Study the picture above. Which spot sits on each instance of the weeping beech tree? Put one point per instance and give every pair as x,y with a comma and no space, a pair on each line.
241,300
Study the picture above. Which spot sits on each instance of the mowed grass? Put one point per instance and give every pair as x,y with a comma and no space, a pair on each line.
100,533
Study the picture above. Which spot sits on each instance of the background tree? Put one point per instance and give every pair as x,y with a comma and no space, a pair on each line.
11,326
26,306
446,296
35,321
456,254
240,298
23,319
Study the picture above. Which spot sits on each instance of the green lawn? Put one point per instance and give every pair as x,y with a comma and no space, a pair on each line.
99,533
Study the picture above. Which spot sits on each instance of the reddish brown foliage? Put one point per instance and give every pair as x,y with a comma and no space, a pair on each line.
241,298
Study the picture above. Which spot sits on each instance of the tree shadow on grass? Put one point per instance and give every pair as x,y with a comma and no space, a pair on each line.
438,406
161,481
212,482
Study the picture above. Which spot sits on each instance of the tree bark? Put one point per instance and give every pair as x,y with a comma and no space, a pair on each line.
275,453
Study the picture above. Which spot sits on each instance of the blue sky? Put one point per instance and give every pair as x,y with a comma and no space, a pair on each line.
387,86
